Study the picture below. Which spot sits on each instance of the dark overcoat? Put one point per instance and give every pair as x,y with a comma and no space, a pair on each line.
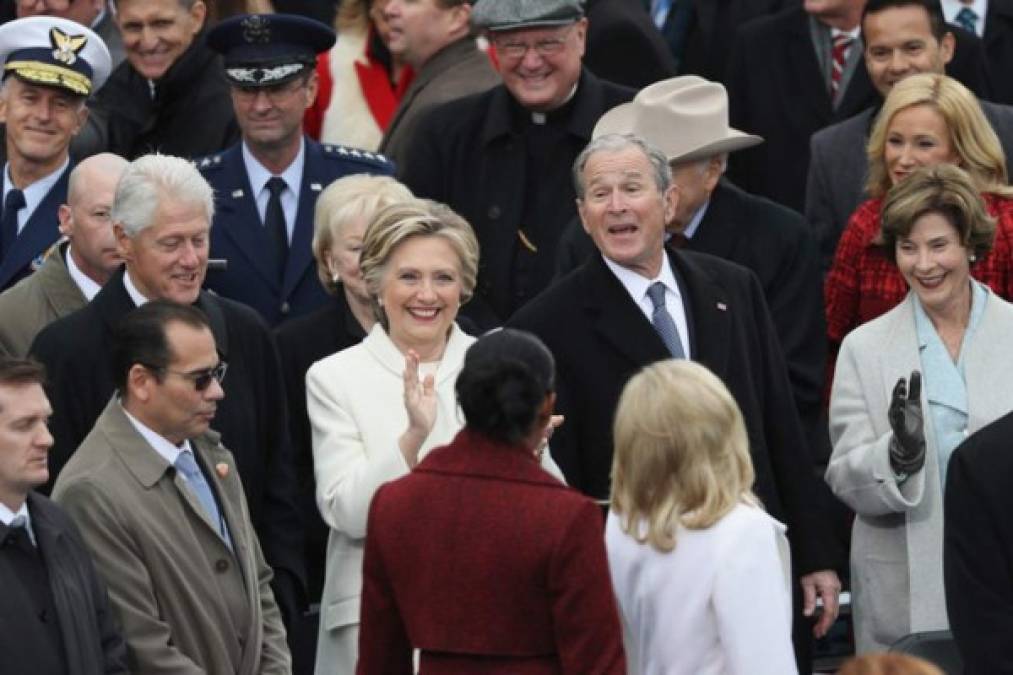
92,642
776,90
978,549
600,338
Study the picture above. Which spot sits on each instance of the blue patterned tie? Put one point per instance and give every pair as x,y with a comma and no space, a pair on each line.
187,465
967,19
14,202
663,322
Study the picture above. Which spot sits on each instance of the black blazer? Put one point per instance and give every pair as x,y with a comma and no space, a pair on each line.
302,342
998,47
92,641
252,418
600,338
778,246
978,549
776,90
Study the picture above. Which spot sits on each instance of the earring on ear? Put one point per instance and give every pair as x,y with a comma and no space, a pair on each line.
971,258
336,277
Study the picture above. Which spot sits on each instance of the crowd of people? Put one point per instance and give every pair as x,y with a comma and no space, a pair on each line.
504,336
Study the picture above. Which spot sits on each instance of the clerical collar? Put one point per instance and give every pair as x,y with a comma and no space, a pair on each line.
556,113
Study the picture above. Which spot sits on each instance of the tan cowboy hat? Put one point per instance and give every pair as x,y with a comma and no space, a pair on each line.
685,117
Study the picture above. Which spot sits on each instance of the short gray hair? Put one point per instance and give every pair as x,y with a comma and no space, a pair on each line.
616,143
151,178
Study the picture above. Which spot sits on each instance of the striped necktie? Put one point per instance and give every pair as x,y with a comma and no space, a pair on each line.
967,19
839,57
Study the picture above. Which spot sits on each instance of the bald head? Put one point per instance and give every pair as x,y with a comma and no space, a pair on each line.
84,219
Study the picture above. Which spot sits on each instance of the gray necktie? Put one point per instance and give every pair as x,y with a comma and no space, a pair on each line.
187,465
663,322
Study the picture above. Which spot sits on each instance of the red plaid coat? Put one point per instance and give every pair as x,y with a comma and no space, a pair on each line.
864,282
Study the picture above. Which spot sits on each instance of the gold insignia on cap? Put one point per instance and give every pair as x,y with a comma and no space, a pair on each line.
256,30
66,47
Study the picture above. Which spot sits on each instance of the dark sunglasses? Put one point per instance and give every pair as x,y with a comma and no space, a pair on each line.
201,378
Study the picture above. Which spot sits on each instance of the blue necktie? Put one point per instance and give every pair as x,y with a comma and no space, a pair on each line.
967,19
663,322
187,465
14,202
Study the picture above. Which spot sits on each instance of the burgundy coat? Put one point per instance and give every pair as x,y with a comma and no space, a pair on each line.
487,564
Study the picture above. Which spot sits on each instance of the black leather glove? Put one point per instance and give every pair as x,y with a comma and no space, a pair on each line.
907,448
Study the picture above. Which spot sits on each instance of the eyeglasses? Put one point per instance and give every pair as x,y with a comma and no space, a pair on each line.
515,49
276,94
201,378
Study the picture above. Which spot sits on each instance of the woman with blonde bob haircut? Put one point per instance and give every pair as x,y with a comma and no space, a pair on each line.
379,407
701,571
926,119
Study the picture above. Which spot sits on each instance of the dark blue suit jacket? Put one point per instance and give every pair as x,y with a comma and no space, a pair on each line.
39,233
239,237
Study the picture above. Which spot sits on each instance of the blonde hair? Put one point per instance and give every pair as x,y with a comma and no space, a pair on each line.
681,453
888,664
343,201
942,189
971,134
397,223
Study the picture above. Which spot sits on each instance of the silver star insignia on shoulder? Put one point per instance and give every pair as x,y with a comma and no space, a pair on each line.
205,162
237,194
316,187
217,159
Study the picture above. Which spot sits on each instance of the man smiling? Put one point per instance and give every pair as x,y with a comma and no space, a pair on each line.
501,158
161,216
169,95
42,104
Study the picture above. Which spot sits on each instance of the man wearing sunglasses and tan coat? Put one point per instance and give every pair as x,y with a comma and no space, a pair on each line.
159,503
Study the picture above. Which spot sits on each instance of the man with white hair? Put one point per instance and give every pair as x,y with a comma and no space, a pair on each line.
717,217
50,66
75,270
161,217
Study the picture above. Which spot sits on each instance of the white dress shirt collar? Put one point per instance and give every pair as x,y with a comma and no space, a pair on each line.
163,446
88,286
7,517
694,222
135,295
259,175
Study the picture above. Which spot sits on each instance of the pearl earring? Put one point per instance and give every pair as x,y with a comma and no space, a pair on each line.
972,258
335,277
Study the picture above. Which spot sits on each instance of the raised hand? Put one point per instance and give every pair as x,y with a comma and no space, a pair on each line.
420,404
907,450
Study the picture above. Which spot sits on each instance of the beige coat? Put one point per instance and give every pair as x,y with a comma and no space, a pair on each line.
35,302
186,603
897,539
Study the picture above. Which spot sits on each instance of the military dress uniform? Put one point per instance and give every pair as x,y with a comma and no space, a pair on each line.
241,239
51,52
267,249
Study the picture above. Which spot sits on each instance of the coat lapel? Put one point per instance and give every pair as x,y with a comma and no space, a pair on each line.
616,317
38,234
239,219
710,310
61,293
